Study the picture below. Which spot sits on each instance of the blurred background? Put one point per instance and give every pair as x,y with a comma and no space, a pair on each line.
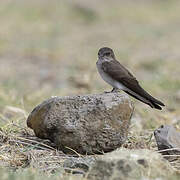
49,48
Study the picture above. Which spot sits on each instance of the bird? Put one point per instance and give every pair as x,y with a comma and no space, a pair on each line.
120,78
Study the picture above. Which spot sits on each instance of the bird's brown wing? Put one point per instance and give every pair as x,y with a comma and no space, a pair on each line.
122,75
116,70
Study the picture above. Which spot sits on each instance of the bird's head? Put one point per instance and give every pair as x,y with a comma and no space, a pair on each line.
106,54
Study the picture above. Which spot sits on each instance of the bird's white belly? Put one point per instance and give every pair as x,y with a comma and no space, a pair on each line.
109,80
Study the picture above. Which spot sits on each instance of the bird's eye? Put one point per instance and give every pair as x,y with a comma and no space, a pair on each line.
107,54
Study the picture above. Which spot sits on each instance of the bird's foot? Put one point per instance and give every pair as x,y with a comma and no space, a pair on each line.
114,90
107,92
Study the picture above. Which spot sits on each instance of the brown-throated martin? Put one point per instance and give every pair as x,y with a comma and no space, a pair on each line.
120,78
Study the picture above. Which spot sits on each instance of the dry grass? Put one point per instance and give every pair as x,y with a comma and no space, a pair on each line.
36,156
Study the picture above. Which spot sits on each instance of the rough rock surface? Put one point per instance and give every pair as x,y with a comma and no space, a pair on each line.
126,164
167,138
85,124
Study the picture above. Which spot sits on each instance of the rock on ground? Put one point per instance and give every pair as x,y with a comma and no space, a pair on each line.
126,164
168,141
86,124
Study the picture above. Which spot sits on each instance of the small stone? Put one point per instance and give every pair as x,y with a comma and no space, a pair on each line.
10,111
86,124
168,138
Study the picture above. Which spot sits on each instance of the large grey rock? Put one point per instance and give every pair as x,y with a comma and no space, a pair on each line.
124,164
86,124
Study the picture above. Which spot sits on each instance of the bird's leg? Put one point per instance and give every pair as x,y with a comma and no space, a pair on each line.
112,91
107,92
115,90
